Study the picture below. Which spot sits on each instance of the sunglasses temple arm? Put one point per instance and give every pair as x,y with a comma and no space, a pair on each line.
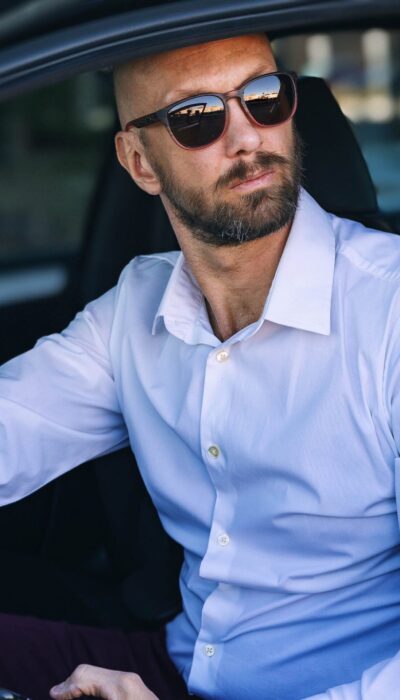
141,122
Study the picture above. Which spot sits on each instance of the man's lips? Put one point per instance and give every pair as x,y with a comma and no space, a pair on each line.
255,181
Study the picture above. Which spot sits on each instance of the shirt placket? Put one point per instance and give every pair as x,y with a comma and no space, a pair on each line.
217,561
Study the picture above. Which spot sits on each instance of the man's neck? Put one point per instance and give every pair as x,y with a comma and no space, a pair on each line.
235,280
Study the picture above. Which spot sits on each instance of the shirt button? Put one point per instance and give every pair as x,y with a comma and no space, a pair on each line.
209,650
223,539
222,355
213,450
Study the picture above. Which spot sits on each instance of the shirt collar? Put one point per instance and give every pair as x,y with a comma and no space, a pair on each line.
300,294
301,291
182,306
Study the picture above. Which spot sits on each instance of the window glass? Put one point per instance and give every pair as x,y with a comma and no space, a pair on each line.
52,143
363,71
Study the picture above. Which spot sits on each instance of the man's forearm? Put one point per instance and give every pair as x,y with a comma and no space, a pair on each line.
59,405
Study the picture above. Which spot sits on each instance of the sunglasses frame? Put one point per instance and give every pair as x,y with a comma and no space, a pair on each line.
161,115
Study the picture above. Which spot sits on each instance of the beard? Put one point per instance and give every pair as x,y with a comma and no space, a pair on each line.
254,215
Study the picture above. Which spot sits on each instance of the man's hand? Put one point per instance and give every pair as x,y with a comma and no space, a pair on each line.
102,683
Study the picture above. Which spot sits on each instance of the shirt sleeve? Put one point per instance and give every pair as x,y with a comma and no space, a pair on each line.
58,404
381,681
377,682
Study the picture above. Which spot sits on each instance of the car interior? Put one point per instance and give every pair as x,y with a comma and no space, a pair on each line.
89,547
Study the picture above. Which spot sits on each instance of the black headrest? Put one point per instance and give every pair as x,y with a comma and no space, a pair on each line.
124,221
335,172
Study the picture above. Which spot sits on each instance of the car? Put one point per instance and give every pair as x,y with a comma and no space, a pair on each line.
89,547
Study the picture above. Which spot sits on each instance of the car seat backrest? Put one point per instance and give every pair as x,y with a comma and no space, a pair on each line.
335,171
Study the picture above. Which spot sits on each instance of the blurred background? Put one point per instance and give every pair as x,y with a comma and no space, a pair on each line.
363,72
52,144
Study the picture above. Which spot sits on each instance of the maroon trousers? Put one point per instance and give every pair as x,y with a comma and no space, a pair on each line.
36,654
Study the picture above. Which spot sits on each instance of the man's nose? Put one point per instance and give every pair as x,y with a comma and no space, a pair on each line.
242,135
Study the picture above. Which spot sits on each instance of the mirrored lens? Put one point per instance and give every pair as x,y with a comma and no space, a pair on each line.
198,121
270,99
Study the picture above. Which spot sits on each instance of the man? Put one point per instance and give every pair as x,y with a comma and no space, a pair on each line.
256,377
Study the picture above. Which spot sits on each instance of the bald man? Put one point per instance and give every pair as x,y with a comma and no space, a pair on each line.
259,392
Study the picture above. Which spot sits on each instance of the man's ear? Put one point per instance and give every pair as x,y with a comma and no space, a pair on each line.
131,155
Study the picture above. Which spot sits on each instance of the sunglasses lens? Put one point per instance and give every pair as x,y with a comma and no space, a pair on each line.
198,121
270,99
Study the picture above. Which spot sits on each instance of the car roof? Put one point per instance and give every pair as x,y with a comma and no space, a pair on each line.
29,18
43,45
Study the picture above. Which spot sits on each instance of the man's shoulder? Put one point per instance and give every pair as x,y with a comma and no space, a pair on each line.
369,252
366,287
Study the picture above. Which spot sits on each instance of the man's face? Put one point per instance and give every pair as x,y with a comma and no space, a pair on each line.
246,184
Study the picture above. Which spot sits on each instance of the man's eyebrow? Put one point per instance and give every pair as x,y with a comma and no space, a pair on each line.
177,94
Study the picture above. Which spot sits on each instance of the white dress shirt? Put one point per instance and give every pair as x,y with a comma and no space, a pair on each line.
271,457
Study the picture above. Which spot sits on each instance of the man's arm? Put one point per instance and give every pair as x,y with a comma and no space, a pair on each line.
381,681
58,404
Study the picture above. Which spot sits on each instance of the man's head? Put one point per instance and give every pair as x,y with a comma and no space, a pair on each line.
213,191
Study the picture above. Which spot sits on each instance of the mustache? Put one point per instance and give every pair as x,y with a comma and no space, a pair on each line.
243,171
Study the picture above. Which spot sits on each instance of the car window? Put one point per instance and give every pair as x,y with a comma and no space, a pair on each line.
363,71
52,142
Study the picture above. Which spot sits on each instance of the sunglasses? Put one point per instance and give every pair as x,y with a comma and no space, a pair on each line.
199,121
